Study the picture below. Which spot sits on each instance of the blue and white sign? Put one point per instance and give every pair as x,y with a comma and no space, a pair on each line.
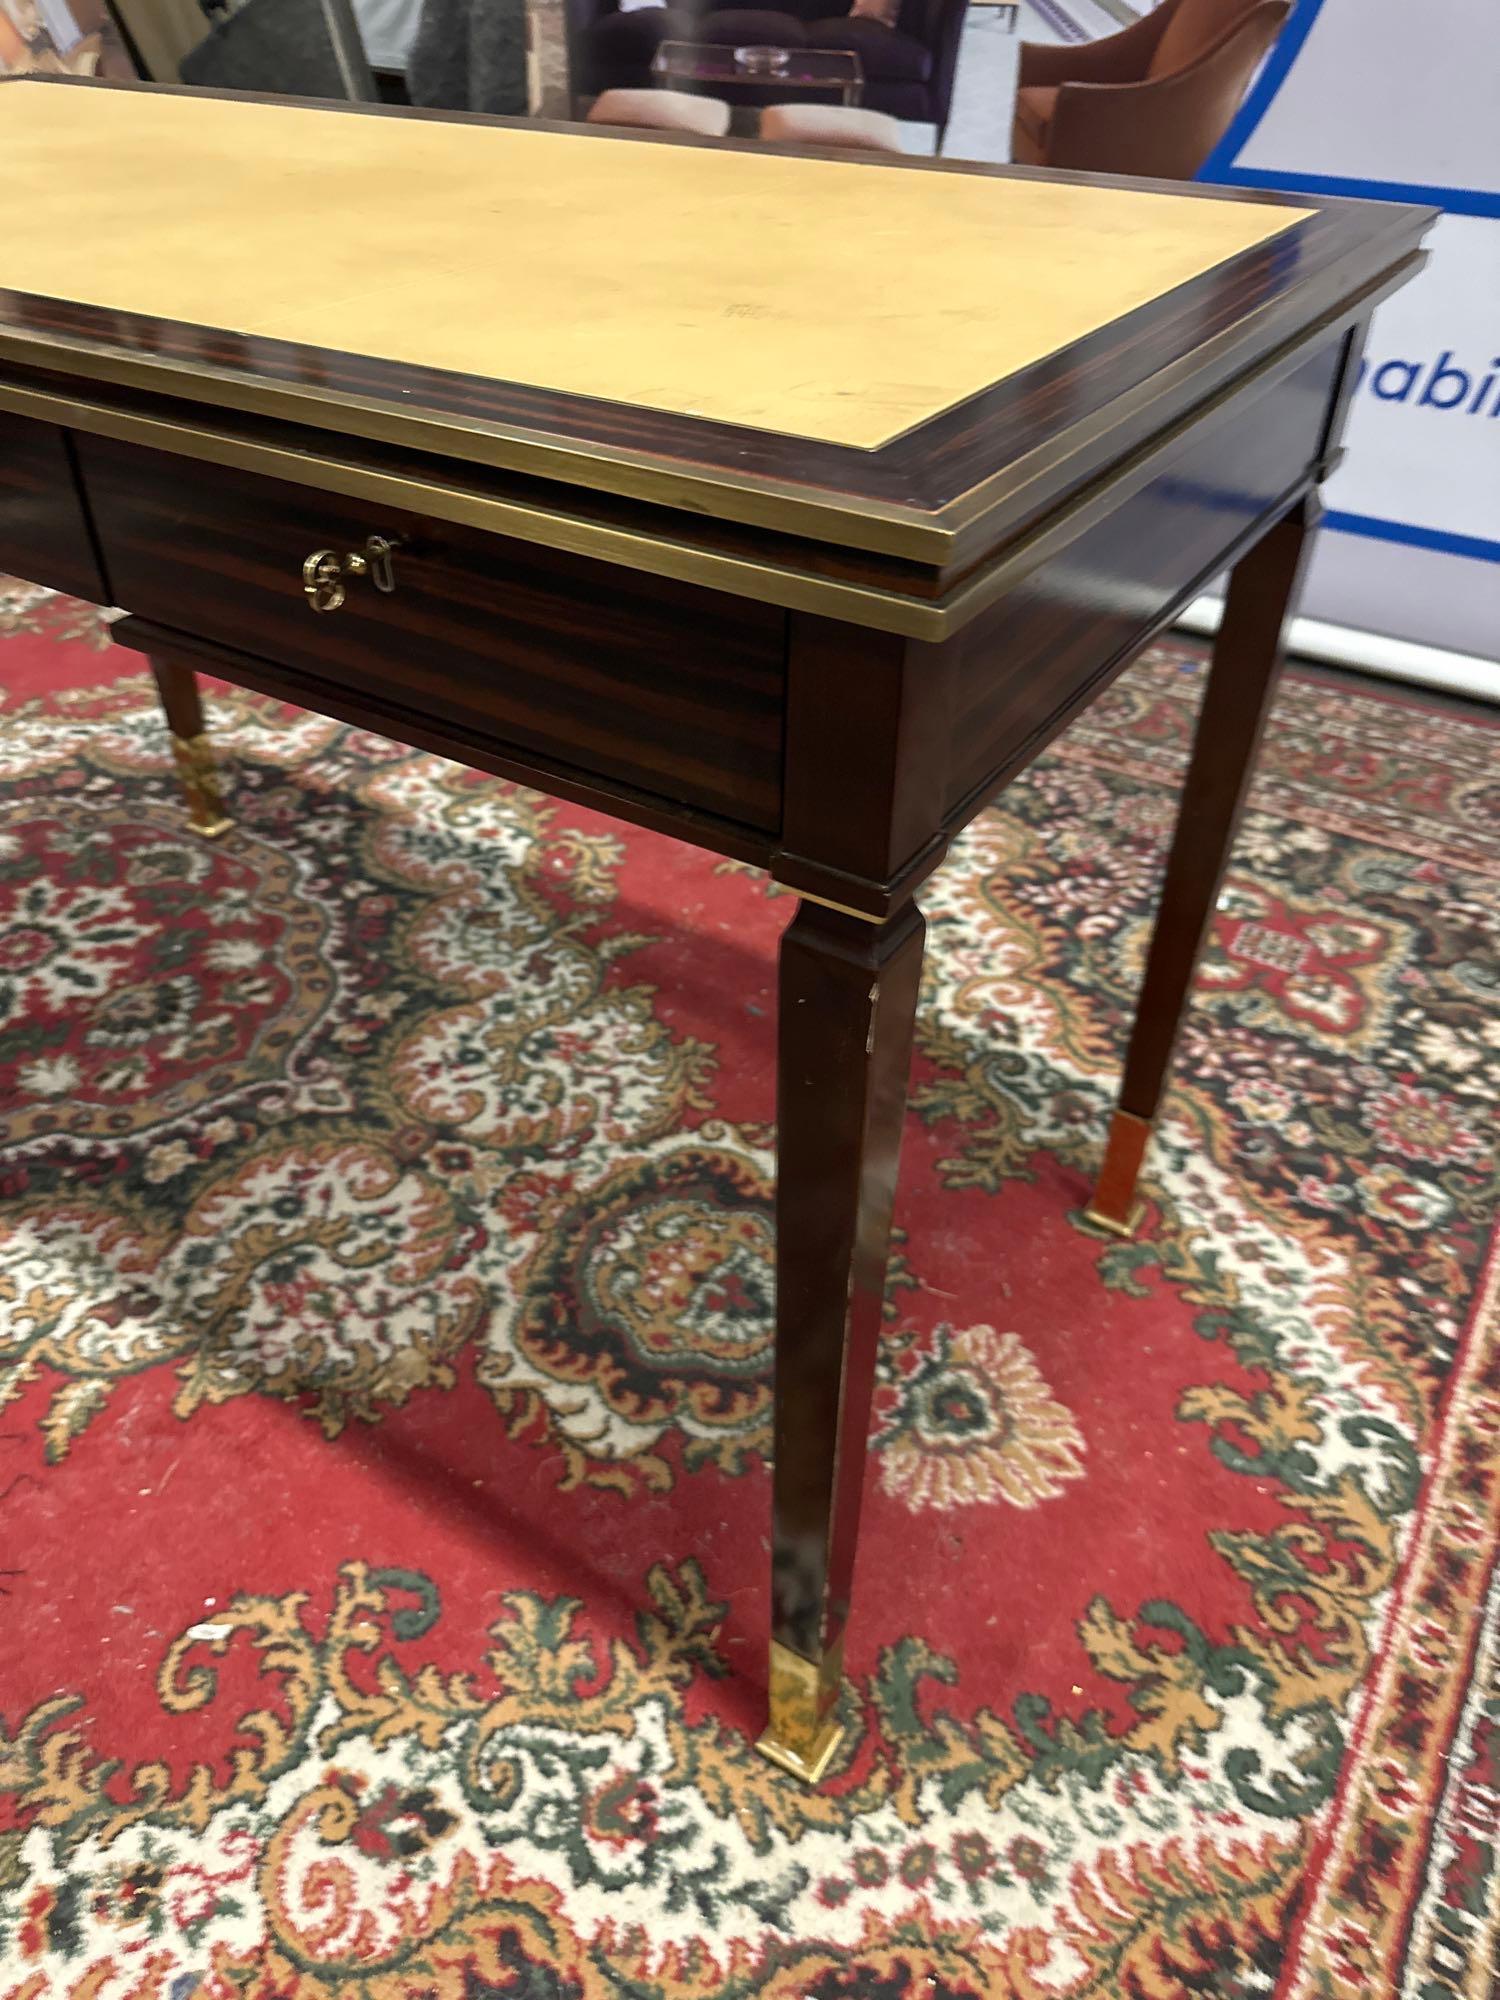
1384,99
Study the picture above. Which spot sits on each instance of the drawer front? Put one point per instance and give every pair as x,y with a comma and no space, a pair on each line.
44,534
663,686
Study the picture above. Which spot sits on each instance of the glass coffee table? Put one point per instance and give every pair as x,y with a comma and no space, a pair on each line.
758,74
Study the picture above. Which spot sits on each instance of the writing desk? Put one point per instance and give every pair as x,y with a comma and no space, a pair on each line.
783,503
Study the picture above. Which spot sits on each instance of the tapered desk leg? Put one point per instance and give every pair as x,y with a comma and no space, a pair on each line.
178,688
1241,686
847,1003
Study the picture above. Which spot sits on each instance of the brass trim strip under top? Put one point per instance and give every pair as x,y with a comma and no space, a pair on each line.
669,555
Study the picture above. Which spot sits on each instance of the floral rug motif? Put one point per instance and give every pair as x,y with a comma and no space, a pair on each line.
385,1308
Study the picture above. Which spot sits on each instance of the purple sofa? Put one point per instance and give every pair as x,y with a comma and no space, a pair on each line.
908,69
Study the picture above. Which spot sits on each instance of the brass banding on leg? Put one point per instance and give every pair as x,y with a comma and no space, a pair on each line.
1114,1206
804,1731
194,758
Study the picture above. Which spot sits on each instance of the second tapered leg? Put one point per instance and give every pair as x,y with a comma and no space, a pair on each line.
847,1004
193,754
1241,687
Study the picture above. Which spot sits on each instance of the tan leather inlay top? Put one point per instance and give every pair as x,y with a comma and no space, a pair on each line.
838,300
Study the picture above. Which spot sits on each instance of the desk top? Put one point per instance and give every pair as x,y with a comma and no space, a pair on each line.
809,297
685,323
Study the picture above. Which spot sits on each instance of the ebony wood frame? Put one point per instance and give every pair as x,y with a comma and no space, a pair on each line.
927,616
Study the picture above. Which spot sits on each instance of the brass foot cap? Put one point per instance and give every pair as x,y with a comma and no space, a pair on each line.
1114,1225
210,829
810,1769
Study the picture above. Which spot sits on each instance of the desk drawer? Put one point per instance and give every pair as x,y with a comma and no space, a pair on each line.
669,688
44,535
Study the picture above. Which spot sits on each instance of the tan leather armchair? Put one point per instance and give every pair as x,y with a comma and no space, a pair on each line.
1152,100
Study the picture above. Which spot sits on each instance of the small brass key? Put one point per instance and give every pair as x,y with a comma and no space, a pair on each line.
325,574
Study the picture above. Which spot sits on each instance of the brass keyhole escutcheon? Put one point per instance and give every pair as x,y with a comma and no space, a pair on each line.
322,580
325,574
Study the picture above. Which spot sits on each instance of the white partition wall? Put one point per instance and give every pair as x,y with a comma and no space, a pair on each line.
1395,100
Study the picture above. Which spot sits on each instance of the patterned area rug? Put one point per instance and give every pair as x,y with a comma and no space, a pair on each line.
384,1311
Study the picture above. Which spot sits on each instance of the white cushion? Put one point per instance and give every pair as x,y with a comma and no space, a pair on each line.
831,125
662,111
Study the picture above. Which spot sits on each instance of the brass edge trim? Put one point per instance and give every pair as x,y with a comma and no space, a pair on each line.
1112,1225
970,506
811,1770
199,776
1128,476
753,500
966,509
1114,489
738,576
886,527
892,895
844,909
860,604
804,1730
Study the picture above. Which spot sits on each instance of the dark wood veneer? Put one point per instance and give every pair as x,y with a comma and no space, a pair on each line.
1030,654
44,528
673,689
366,709
1231,721
1043,530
